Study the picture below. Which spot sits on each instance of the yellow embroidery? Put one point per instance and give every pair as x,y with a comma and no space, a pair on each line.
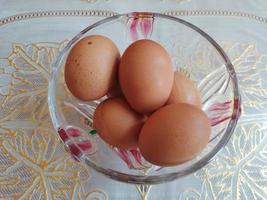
32,161
238,172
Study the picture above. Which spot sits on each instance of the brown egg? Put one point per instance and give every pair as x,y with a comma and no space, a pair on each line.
184,91
115,91
146,75
117,123
174,134
91,67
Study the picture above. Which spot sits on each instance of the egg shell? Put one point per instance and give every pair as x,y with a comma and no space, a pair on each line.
117,123
146,75
115,91
174,134
184,91
91,67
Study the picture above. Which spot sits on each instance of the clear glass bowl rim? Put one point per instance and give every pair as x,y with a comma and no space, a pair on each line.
151,179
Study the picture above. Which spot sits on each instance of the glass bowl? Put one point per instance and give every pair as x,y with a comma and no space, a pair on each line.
193,52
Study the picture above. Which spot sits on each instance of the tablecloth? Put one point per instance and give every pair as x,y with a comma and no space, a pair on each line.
33,163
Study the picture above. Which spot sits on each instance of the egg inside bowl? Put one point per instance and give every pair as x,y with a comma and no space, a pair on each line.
211,72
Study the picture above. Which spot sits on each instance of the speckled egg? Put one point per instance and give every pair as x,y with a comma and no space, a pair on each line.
184,91
91,67
117,123
174,134
146,75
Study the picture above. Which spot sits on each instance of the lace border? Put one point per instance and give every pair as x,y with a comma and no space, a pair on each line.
104,13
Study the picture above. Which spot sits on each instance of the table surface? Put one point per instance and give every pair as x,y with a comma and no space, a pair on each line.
33,163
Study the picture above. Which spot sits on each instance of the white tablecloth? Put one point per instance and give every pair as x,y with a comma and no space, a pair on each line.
33,165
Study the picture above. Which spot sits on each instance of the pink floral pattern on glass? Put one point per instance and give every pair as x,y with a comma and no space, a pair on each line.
76,143
140,25
219,112
132,158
